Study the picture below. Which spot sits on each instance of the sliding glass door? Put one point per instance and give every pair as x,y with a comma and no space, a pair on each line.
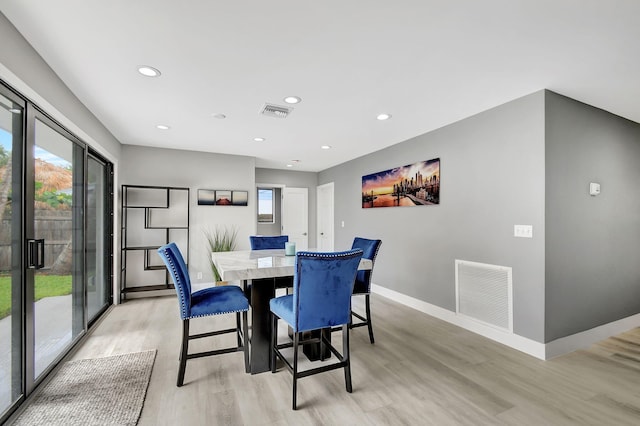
11,278
56,249
56,210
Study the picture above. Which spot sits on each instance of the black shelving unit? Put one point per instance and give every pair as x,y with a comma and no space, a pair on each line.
151,217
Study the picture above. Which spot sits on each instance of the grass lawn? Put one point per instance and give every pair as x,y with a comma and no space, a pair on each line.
46,286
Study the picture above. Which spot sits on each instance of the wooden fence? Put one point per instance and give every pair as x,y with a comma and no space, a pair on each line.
53,225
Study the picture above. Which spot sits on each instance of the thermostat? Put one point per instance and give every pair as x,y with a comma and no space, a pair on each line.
594,188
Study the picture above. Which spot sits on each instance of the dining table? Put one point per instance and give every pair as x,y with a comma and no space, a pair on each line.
257,270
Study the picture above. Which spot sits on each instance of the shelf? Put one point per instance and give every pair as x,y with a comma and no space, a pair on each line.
148,215
142,248
166,227
148,288
155,268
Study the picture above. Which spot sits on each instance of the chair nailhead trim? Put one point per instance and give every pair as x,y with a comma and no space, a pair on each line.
183,303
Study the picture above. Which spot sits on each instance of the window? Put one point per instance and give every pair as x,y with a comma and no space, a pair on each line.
265,205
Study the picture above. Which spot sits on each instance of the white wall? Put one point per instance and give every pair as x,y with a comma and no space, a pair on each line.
23,69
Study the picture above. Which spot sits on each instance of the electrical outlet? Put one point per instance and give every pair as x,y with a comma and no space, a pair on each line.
523,231
199,275
342,224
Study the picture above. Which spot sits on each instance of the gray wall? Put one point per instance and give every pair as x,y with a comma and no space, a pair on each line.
492,177
592,267
295,179
28,73
197,170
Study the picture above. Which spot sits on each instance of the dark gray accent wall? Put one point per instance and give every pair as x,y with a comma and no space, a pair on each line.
492,177
295,179
593,243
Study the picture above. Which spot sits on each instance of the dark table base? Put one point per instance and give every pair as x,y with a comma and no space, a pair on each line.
262,291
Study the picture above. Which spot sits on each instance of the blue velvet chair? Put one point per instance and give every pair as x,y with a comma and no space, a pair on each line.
362,285
272,242
268,242
209,301
321,299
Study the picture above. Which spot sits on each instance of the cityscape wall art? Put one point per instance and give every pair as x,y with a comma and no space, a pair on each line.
417,184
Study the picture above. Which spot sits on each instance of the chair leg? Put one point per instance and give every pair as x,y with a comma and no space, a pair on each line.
368,309
245,337
322,350
183,352
238,328
296,337
274,341
346,357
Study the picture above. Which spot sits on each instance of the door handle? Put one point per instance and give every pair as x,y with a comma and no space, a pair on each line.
35,253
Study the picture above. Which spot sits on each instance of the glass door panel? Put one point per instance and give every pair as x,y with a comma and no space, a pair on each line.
11,296
98,285
57,245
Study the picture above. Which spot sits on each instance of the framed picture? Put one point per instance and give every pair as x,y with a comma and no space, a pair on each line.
206,197
416,184
223,197
239,198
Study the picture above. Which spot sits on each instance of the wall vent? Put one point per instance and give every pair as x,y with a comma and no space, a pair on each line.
276,111
484,292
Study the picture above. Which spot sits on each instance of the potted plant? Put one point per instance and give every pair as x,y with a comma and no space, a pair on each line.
221,238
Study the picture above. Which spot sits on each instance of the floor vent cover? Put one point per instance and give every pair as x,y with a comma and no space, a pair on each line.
484,293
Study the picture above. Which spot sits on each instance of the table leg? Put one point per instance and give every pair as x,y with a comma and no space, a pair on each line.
262,291
312,350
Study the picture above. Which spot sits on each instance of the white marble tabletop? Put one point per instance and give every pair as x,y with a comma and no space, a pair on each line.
255,264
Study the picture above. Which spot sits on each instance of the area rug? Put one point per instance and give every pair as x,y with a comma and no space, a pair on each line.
98,391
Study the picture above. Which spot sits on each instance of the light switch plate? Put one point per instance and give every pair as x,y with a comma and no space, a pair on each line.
523,231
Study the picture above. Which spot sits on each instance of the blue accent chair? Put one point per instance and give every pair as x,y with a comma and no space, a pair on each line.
268,242
272,242
362,285
321,299
209,301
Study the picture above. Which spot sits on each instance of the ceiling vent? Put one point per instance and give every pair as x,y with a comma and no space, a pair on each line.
276,111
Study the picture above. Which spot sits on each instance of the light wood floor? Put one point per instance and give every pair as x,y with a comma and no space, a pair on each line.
420,371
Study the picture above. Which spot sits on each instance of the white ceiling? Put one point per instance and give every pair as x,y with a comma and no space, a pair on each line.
428,63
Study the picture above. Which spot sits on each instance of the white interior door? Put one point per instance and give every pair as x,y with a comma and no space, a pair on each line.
295,216
325,217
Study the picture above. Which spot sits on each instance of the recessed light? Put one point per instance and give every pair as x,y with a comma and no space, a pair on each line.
326,147
292,99
383,117
219,116
259,139
163,127
289,165
148,71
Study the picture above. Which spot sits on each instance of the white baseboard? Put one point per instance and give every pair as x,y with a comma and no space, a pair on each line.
586,338
531,347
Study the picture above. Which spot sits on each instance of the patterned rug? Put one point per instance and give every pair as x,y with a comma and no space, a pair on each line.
99,391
